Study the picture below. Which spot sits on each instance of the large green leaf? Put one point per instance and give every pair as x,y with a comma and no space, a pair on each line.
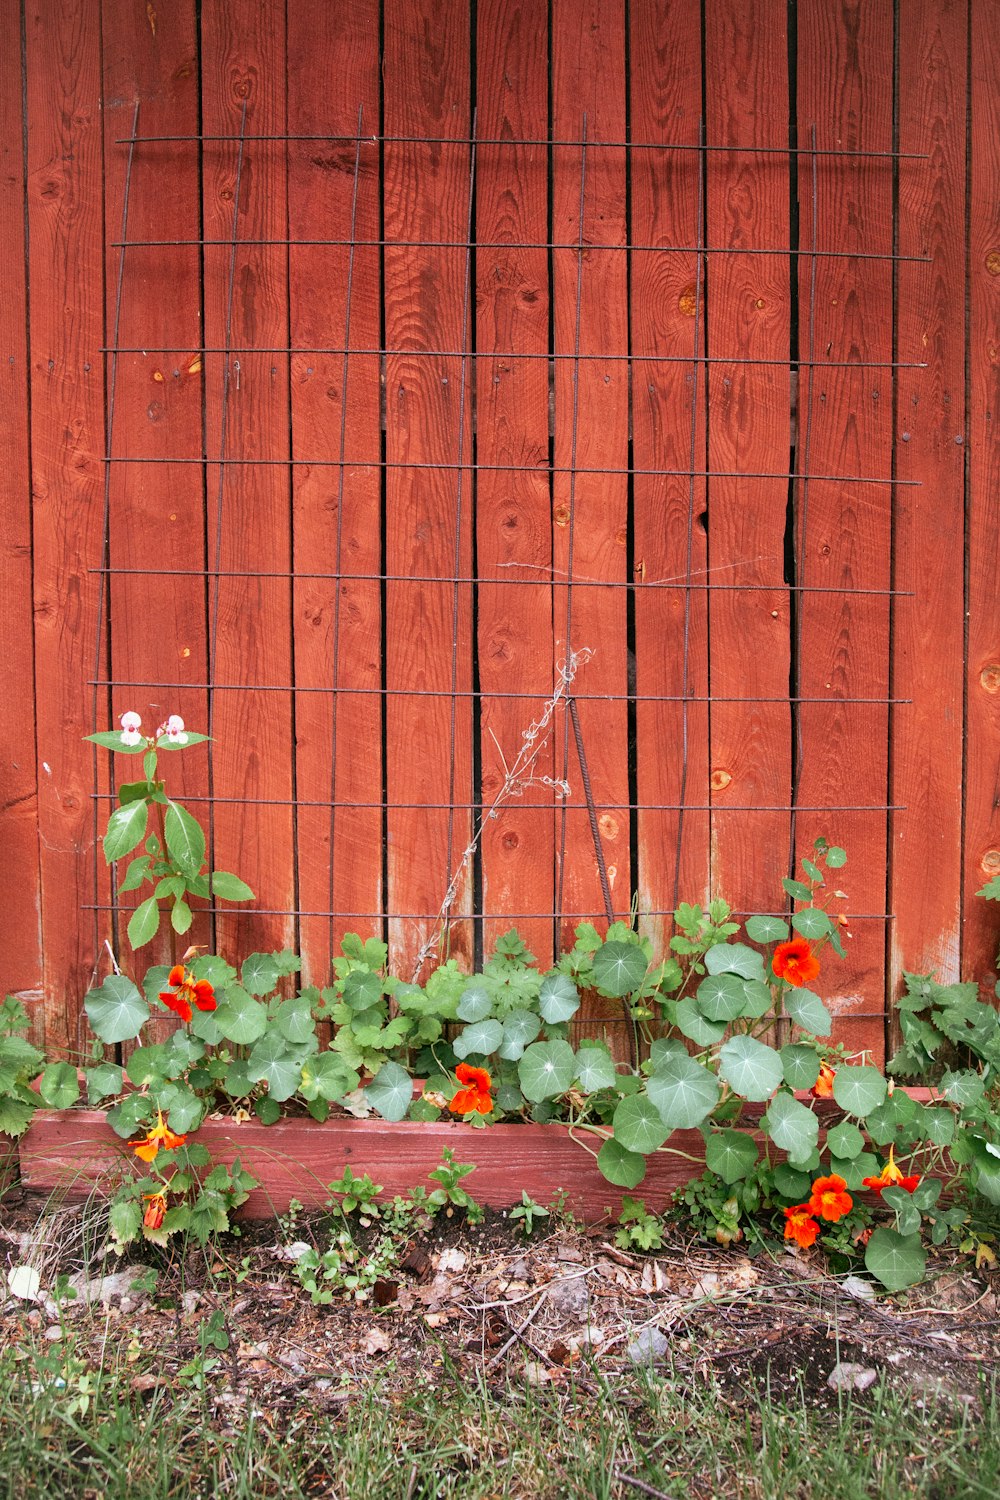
619,968
294,1019
103,1082
858,1089
273,1063
144,922
390,1091
638,1125
730,1153
327,1076
752,1069
546,1069
558,999
897,1260
520,1027
479,1039
622,1167
260,974
808,1011
595,1068
59,1086
683,1092
792,1127
963,1086
689,1019
722,997
811,922
111,739
800,1064
116,1011
767,929
126,828
845,1140
475,1003
734,958
185,840
230,887
240,1018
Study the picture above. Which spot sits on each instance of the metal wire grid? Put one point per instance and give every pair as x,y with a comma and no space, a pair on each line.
689,584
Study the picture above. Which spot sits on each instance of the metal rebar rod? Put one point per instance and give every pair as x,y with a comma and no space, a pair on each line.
369,351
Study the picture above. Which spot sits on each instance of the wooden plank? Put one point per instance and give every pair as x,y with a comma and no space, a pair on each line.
65,274
156,510
337,626
926,734
243,63
428,524
748,307
514,529
590,511
845,86
982,820
668,432
19,899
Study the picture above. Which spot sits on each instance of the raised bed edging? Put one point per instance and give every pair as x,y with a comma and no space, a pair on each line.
74,1152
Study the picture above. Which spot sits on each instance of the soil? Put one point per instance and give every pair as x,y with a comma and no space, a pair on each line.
556,1308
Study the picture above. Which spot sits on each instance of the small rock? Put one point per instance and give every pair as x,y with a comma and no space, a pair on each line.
848,1377
568,1294
53,1333
102,1288
648,1346
858,1288
24,1283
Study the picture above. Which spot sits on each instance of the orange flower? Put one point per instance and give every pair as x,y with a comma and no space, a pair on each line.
823,1087
830,1198
476,1097
891,1176
153,1217
159,1135
189,991
801,1226
795,962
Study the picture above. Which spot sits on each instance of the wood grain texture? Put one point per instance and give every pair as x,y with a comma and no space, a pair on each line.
428,514
65,274
243,61
590,509
748,304
337,625
926,734
982,790
19,894
844,529
513,512
156,510
668,427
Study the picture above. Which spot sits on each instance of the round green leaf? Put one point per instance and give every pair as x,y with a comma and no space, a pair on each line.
116,1011
230,887
801,1066
558,999
758,1001
126,828
624,1168
185,1111
519,1028
663,1049
845,1140
362,988
808,1011
683,1092
752,1069
481,1038
792,1127
237,1082
896,1260
103,1082
854,1171
721,997
185,840
390,1091
475,1003
964,1087
267,1110
143,923
689,1019
294,1019
767,929
272,1063
792,1184
595,1069
811,922
835,857
259,974
240,1018
619,968
731,1154
546,1069
59,1086
937,1126
327,1076
734,958
638,1125
858,1089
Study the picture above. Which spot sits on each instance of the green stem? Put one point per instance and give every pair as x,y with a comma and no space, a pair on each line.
163,854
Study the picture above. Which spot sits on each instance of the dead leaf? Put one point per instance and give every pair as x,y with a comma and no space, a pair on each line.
377,1341
451,1259
535,1373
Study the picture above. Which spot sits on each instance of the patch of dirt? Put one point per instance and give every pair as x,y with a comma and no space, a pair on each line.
555,1309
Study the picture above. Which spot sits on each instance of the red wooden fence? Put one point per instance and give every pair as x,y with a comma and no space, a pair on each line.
361,363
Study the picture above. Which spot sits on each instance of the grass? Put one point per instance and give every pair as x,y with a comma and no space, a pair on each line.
99,1428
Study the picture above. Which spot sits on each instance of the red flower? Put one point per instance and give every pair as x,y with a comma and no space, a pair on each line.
189,991
801,1226
891,1176
160,1135
830,1199
476,1097
823,1087
153,1217
795,962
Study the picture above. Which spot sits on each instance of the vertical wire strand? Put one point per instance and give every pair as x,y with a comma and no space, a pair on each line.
338,552
689,559
574,431
104,586
462,383
227,372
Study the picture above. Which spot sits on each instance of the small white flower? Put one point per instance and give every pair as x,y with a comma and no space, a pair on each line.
130,729
174,730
